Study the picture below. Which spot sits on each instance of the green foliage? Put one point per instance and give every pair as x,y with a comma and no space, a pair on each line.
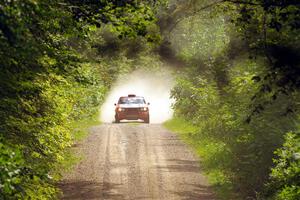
193,36
52,76
17,179
222,117
10,165
127,18
240,87
270,30
285,175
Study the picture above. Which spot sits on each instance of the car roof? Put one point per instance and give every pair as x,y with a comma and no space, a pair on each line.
131,97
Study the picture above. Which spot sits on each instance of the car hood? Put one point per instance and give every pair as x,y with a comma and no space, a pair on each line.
132,105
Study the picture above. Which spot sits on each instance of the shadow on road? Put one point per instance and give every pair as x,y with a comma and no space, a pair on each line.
176,165
198,192
90,190
187,167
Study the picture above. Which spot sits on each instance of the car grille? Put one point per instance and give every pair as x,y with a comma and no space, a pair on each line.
132,111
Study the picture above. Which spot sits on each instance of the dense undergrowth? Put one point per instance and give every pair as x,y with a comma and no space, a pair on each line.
238,96
58,60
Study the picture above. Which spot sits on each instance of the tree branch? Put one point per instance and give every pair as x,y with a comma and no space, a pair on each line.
195,12
243,2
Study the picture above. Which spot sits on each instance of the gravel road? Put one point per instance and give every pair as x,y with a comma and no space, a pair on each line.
129,161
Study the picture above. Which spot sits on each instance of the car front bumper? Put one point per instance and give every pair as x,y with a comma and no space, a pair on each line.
132,114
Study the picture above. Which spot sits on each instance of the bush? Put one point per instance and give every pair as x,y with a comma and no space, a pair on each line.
225,115
285,176
44,87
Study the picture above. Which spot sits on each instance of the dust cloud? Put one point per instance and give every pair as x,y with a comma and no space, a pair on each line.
154,86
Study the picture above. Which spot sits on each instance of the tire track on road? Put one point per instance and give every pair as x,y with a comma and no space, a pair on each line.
135,162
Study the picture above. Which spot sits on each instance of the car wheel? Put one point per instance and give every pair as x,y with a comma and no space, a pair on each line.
147,120
117,120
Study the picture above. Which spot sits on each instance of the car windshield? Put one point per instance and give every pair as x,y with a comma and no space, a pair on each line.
131,100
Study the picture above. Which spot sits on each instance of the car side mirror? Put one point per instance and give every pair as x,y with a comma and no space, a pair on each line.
115,104
148,104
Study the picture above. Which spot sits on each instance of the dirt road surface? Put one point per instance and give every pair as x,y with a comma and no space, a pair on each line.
128,162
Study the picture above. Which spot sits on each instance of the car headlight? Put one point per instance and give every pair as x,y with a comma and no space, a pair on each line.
121,109
144,109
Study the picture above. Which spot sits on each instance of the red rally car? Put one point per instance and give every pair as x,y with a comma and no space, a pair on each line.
132,107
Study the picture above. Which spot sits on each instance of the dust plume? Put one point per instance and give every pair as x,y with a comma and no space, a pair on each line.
154,86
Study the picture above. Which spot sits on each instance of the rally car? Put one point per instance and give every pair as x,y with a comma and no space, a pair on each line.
132,107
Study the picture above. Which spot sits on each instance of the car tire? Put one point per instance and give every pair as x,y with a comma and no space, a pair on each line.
117,120
147,120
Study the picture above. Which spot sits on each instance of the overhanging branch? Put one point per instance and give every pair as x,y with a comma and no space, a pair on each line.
195,12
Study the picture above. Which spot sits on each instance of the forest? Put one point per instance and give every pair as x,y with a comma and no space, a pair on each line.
236,96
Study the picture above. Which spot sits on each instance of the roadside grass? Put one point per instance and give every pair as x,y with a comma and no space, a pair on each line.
135,123
81,128
79,133
212,154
